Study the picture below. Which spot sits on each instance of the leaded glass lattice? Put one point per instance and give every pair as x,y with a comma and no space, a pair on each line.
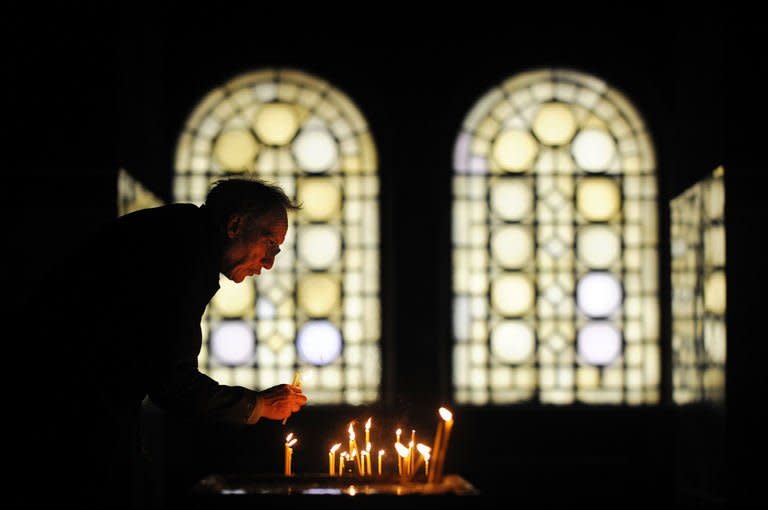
699,292
318,309
555,255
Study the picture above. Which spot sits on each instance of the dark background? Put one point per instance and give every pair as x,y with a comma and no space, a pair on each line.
97,89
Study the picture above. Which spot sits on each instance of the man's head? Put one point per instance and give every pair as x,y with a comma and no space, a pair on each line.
254,219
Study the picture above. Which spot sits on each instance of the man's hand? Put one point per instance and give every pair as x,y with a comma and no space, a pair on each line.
281,401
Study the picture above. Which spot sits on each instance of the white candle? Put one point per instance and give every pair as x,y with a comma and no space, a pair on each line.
368,431
402,453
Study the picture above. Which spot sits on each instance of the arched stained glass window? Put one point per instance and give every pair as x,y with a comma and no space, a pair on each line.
555,259
699,292
318,309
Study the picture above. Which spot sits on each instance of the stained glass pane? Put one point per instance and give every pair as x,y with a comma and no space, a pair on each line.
555,269
699,292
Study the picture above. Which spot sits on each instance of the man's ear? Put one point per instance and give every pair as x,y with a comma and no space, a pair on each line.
234,226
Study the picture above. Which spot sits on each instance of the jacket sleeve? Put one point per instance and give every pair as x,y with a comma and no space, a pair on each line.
175,383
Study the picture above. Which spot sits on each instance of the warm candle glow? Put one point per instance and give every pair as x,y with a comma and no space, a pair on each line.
401,450
289,442
368,470
439,461
381,454
332,458
424,451
342,457
368,430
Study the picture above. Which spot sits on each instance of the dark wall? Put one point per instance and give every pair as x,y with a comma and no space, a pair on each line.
112,88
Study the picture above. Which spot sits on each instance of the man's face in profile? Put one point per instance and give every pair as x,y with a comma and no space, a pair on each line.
253,244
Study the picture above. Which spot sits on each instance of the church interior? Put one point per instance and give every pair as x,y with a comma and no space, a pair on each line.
107,101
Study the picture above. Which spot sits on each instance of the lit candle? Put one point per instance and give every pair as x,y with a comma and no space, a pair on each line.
399,459
368,470
361,463
436,447
368,431
412,453
402,453
424,451
288,452
352,442
381,454
439,464
296,382
332,458
342,457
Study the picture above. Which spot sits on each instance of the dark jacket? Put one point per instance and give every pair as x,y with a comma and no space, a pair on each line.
118,321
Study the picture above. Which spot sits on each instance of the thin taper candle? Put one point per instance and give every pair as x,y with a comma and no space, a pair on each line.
296,382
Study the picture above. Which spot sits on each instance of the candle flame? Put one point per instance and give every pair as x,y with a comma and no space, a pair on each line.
288,437
424,450
410,444
292,442
344,454
445,414
368,423
368,447
351,431
401,450
381,452
335,447
398,432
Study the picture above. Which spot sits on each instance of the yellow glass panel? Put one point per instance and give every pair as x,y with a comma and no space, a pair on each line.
236,150
598,198
554,124
514,150
276,123
320,198
512,294
714,292
234,300
593,150
315,150
512,246
319,294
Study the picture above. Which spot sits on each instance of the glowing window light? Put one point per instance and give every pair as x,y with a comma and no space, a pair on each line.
512,294
319,245
598,198
512,341
319,294
593,150
265,308
320,199
232,343
554,124
319,342
233,300
598,294
714,292
511,200
512,246
599,343
276,123
598,246
236,149
514,150
315,150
